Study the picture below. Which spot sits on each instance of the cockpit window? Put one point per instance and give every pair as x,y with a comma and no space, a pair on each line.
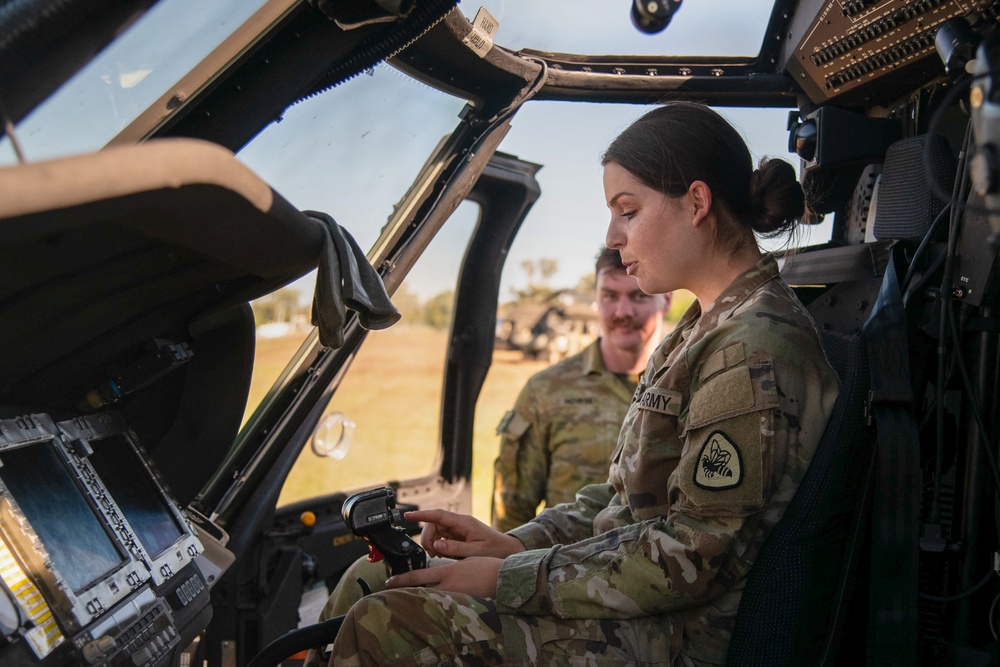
351,152
604,27
128,76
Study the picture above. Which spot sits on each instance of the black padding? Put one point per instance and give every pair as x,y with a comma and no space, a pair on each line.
797,581
89,280
106,253
907,204
218,376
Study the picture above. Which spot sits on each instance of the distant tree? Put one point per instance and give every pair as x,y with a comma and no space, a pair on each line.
408,304
532,294
437,311
587,284
540,291
279,306
529,268
547,267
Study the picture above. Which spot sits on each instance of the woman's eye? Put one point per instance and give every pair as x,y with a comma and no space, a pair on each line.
628,215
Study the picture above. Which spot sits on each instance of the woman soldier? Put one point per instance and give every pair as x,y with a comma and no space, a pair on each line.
649,567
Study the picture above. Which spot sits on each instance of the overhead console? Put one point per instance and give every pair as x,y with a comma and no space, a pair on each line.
870,52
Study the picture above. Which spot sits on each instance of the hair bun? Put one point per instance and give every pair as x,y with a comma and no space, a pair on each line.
776,198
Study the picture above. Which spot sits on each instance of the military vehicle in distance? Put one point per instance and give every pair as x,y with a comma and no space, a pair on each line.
551,331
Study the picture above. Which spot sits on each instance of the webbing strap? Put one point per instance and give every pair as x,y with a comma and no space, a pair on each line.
895,504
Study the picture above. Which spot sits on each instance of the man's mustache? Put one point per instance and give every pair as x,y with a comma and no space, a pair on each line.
625,323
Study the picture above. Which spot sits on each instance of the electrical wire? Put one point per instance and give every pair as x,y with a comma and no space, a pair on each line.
964,594
974,406
932,129
924,279
944,299
500,116
993,621
922,248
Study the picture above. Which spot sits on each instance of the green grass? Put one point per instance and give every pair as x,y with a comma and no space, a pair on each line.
393,394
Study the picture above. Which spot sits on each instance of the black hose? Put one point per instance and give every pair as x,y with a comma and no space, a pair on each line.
302,639
26,24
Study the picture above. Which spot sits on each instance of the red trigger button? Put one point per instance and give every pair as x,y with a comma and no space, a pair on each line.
374,555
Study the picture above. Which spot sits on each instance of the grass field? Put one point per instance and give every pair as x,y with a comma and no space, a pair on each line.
392,393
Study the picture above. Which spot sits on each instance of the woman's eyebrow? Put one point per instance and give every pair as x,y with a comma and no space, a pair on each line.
618,196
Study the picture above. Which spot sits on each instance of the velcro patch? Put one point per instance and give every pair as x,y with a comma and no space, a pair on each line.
663,401
720,464
512,425
722,359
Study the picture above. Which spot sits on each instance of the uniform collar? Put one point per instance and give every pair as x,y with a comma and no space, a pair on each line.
745,284
593,362
738,291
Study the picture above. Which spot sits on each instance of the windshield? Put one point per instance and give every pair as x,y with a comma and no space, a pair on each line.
174,36
603,27
128,76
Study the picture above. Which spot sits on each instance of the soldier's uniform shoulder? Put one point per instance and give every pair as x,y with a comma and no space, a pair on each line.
570,367
775,310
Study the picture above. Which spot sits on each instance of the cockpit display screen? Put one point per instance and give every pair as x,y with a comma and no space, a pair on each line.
41,484
132,487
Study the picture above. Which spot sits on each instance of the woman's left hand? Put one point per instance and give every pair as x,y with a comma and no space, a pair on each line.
476,575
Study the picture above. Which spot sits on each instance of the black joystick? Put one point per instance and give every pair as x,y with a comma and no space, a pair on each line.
373,516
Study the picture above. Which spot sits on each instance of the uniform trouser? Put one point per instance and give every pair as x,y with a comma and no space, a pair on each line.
348,590
416,627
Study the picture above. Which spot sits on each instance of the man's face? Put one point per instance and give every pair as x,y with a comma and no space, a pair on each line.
629,317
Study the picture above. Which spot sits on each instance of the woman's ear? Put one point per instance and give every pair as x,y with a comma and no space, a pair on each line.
700,196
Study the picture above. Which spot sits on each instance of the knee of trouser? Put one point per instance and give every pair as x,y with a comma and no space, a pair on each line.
362,567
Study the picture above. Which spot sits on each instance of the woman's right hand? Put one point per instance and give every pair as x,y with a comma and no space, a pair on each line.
461,536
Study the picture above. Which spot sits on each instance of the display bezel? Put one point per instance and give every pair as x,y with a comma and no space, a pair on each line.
73,609
83,434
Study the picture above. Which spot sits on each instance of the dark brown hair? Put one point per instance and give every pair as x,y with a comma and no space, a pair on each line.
610,259
680,142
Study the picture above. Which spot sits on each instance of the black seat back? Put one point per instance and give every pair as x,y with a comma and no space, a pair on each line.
830,585
798,584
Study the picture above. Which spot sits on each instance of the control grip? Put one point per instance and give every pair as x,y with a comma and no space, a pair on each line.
400,552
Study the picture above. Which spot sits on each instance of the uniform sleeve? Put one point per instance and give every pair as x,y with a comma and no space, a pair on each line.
744,453
566,523
522,467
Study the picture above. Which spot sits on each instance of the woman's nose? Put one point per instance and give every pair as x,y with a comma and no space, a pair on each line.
614,239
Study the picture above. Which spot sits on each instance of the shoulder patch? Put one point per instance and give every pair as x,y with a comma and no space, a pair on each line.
505,421
720,464
512,425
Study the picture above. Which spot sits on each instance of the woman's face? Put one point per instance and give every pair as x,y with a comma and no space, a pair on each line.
652,231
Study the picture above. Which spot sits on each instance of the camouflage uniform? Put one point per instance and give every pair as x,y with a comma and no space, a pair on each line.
648,568
559,437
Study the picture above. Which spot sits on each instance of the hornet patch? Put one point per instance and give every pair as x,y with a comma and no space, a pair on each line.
720,464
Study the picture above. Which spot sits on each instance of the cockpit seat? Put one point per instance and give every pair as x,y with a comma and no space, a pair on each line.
829,569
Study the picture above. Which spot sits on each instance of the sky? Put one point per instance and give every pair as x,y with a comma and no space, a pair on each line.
353,151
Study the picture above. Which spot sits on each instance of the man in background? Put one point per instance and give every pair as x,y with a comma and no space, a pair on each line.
564,426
